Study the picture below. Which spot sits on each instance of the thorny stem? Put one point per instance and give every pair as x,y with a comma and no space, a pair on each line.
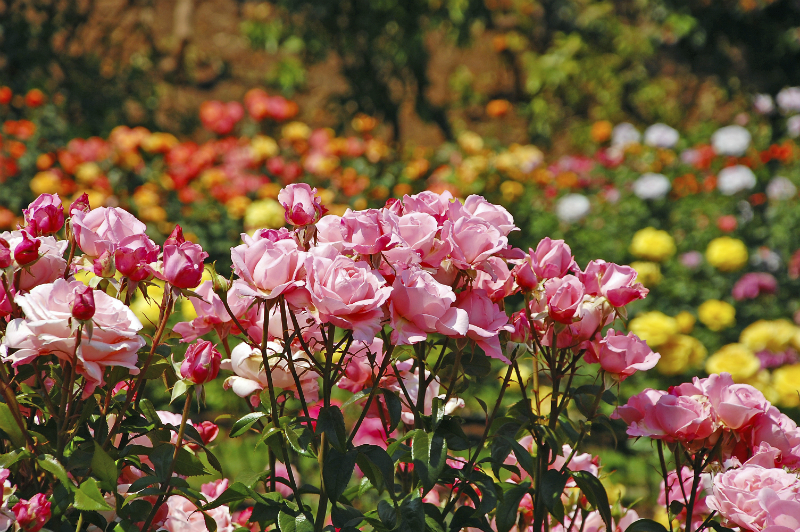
11,400
665,474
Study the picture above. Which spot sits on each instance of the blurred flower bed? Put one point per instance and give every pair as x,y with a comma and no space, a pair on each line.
706,219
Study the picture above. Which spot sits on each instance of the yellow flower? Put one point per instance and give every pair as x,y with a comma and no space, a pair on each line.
46,182
87,173
511,190
735,359
716,314
776,335
726,254
680,353
470,142
264,147
147,195
652,244
786,382
647,273
266,213
685,322
655,328
296,131
156,142
153,214
237,206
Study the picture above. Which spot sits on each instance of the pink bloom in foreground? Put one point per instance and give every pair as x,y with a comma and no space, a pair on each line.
83,307
45,215
302,205
46,330
31,515
269,268
564,297
622,355
615,282
552,258
49,265
182,263
103,229
486,320
133,255
201,364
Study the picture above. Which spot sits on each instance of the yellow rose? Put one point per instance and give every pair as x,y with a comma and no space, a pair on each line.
685,322
655,328
716,314
776,335
647,273
726,254
735,359
470,142
46,182
511,190
786,383
679,354
264,147
652,244
296,131
266,213
237,206
88,173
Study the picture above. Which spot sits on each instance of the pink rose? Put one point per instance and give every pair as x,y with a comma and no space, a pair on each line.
419,306
779,431
736,494
347,293
50,264
640,414
419,234
613,281
370,231
428,202
27,251
622,355
752,284
564,296
486,320
133,255
80,205
44,216
46,330
201,363
270,269
33,514
552,258
684,418
183,516
474,240
5,254
676,488
736,405
302,205
478,207
212,315
496,279
103,229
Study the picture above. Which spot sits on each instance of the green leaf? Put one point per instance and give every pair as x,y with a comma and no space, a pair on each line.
394,406
287,523
523,456
331,423
387,514
553,482
49,463
508,509
646,525
10,427
149,412
188,464
89,498
336,472
9,459
594,491
377,465
244,423
357,397
178,390
429,455
412,515
104,468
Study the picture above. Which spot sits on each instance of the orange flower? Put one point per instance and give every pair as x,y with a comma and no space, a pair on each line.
5,95
498,108
44,161
34,98
601,131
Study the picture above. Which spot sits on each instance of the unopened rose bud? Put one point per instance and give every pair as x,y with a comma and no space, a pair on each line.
83,303
103,266
202,362
80,205
175,237
301,204
5,254
27,251
45,215
33,514
183,264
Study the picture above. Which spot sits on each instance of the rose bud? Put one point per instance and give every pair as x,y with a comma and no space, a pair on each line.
103,266
301,204
183,264
27,251
202,362
5,254
81,204
32,515
208,432
45,215
175,238
83,303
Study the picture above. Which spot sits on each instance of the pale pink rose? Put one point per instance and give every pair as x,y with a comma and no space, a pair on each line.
477,206
486,321
212,490
270,269
422,243
250,374
735,493
103,229
419,306
552,258
46,330
347,293
51,263
782,515
685,418
734,404
779,431
212,315
496,279
45,215
370,231
183,516
579,462
640,414
474,240
437,205
622,355
302,205
329,231
615,282
678,487
564,297
133,255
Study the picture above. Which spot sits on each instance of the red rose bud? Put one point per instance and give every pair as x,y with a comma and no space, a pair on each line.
103,266
27,251
175,237
201,364
31,515
5,254
81,204
83,303
45,215
183,264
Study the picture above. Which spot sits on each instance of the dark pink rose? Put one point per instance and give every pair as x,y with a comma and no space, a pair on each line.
622,355
83,307
564,296
5,254
80,205
552,258
201,363
27,251
45,215
133,255
753,284
33,514
302,205
182,265
103,266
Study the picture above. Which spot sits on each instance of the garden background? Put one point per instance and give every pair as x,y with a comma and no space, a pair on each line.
198,112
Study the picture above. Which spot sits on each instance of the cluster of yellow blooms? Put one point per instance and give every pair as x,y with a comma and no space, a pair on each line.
670,337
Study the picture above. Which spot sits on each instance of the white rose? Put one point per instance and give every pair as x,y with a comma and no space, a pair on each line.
735,179
661,136
780,188
625,134
572,208
731,140
651,186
